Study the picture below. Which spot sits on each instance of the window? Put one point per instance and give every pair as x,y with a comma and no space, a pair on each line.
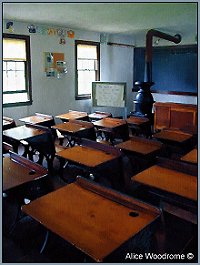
16,70
87,67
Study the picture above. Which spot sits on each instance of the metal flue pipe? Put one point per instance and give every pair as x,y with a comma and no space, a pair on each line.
149,47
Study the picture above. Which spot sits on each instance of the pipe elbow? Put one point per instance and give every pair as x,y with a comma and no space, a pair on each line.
178,38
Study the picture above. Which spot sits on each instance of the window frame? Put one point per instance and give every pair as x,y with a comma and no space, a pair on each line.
97,72
27,70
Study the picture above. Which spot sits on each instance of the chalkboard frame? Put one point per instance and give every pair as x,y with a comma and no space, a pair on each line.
94,100
178,49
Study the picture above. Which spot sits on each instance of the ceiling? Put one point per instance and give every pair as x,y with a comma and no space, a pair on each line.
123,18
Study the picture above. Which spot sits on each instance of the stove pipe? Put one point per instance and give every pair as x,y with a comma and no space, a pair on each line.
144,99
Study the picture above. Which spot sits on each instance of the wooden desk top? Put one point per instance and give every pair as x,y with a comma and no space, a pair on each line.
139,145
73,115
18,170
5,123
98,116
137,120
190,157
22,132
169,180
109,123
8,123
86,156
173,135
69,127
90,220
35,119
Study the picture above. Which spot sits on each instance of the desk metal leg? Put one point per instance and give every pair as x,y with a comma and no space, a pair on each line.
17,219
45,242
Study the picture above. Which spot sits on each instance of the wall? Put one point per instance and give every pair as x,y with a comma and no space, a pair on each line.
117,66
55,96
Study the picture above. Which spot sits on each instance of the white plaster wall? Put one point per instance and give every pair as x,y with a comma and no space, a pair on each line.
117,64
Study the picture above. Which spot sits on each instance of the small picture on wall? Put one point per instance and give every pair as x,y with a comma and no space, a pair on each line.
62,41
50,73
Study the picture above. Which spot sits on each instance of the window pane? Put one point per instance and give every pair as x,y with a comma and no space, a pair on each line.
14,49
16,69
87,67
14,98
86,51
85,64
85,79
20,66
14,79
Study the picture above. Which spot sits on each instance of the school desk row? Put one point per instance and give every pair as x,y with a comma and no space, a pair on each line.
91,211
109,128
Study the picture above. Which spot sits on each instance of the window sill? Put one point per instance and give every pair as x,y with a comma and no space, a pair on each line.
17,104
83,97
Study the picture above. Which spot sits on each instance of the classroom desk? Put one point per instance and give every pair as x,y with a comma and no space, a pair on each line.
70,129
141,152
98,116
73,115
140,146
176,141
20,133
173,136
18,170
190,157
109,123
173,187
136,120
36,119
139,125
8,123
112,127
86,156
94,157
94,219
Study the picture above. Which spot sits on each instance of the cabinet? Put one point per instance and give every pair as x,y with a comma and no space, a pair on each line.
175,116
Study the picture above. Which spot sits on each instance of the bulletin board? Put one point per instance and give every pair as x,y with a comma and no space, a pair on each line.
50,62
109,94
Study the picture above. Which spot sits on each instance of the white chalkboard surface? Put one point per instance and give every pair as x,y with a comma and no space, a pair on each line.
109,94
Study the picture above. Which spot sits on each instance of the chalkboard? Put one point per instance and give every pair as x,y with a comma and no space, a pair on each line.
174,69
108,94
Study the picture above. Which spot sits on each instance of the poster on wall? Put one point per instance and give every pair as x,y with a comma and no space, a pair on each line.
52,63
